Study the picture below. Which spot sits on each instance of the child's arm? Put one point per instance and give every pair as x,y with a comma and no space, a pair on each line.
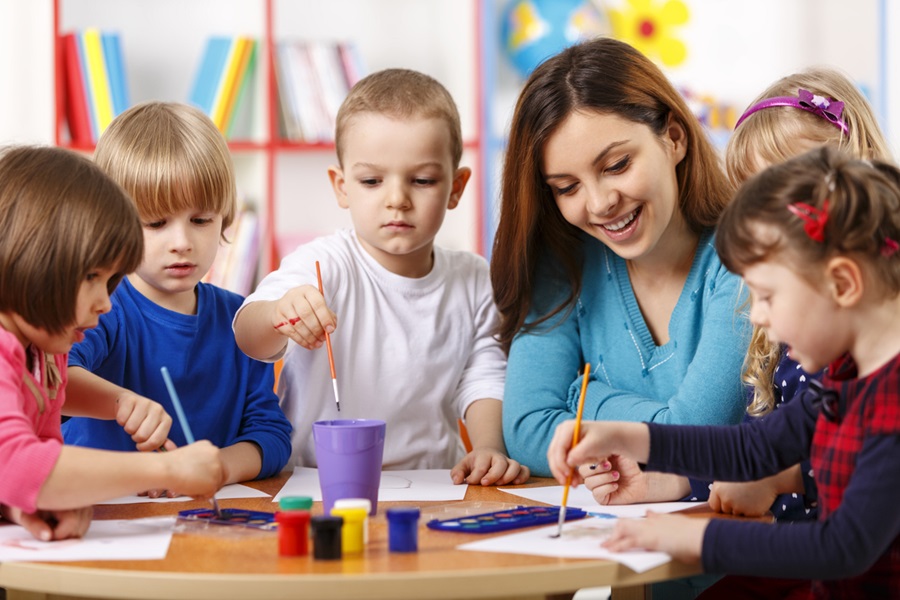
676,535
260,328
83,476
487,463
146,421
754,498
242,462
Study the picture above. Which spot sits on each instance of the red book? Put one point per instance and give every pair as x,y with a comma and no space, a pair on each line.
76,104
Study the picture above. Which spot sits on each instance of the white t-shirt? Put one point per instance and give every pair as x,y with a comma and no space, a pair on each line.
412,352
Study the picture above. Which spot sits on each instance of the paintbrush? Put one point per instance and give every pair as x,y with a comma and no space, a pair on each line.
185,427
565,498
337,399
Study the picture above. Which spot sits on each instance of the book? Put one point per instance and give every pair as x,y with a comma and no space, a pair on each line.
115,67
242,75
76,99
98,77
227,80
212,67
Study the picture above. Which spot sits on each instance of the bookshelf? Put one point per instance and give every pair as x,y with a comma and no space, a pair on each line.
286,180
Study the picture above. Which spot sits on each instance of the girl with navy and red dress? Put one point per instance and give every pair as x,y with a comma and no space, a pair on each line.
816,242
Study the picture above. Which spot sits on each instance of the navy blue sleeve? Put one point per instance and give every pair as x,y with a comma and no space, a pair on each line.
744,452
844,545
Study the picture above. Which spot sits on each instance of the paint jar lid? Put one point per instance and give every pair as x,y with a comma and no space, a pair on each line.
350,515
295,503
323,523
354,503
403,514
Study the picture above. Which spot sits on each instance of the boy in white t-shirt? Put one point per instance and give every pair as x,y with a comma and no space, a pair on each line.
414,343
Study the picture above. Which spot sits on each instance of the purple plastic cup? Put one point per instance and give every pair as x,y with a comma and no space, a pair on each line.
349,454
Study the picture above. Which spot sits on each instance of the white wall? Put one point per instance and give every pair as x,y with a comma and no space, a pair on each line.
26,71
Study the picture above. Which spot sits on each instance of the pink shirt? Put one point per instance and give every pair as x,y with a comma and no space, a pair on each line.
30,438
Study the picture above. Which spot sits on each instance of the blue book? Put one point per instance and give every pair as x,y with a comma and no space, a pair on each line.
211,71
88,93
115,66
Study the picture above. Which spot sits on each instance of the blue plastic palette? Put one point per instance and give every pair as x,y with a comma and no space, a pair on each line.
253,519
503,520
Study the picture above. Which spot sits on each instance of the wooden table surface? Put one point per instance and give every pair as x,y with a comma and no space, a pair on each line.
221,567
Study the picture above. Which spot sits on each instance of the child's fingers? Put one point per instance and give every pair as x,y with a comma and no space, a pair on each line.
501,471
512,474
36,526
558,450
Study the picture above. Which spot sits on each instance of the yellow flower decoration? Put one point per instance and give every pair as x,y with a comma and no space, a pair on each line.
649,26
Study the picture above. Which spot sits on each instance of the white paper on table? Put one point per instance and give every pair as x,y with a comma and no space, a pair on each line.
133,539
580,539
228,492
581,497
396,486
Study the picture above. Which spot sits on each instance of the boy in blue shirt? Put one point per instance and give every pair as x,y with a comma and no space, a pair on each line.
176,166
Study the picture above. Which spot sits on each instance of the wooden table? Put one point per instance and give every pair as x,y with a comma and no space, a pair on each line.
204,566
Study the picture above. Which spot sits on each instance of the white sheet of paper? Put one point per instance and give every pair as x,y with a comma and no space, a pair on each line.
228,492
396,486
134,539
581,497
580,539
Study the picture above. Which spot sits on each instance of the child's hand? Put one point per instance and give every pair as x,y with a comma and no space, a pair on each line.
678,536
598,440
195,470
616,480
146,421
303,316
49,525
487,466
746,498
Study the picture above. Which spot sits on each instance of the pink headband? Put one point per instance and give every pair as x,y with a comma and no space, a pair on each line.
830,110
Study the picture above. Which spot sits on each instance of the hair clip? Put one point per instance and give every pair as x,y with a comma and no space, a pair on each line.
814,219
889,248
830,110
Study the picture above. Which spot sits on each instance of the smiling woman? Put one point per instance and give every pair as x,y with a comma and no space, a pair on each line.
604,254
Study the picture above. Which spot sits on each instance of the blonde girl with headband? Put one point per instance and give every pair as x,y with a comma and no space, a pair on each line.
816,242
68,235
815,107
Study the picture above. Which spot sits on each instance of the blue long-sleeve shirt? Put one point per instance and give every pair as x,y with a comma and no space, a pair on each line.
694,378
227,396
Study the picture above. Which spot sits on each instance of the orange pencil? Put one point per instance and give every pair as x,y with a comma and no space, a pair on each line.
337,399
565,498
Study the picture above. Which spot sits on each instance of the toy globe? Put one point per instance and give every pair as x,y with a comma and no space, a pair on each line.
534,30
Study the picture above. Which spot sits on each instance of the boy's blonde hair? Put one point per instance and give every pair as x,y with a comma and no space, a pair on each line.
169,157
61,217
776,134
400,94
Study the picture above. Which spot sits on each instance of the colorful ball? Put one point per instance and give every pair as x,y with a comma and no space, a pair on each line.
534,30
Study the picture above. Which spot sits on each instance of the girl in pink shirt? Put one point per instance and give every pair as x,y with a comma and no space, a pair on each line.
68,234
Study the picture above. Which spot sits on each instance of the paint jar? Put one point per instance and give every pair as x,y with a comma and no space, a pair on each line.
357,503
326,533
293,525
403,529
352,539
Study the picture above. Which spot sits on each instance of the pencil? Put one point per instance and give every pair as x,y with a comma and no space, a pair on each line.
337,399
565,498
182,419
